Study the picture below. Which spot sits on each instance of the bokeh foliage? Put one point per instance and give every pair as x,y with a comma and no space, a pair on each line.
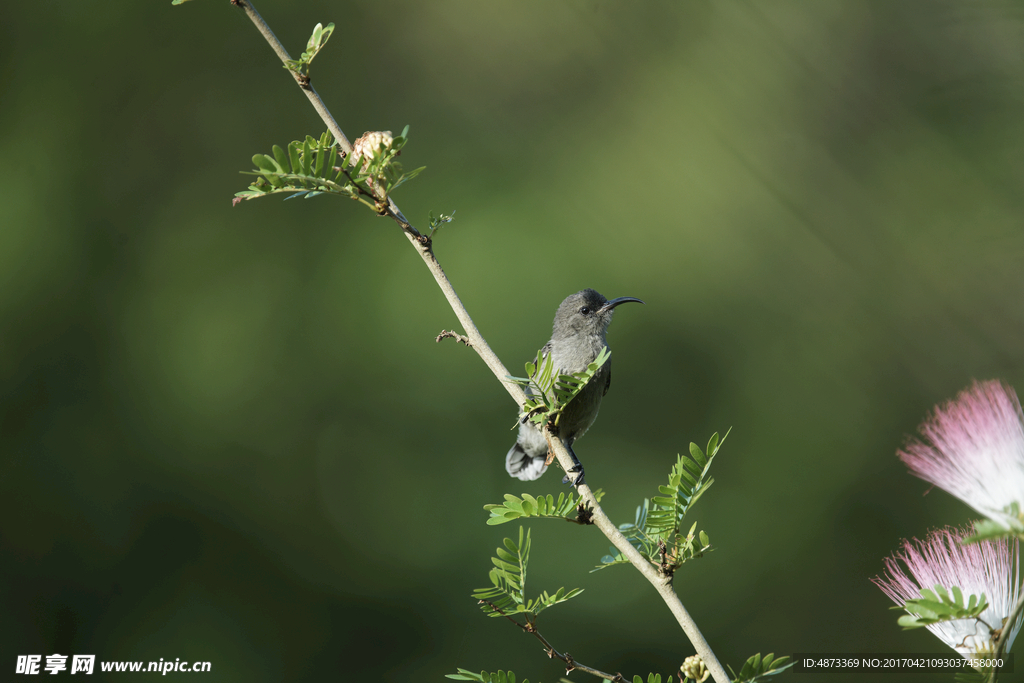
202,406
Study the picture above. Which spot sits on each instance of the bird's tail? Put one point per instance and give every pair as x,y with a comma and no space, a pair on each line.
522,465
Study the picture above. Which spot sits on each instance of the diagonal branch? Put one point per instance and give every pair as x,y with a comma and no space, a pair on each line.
314,97
476,341
307,87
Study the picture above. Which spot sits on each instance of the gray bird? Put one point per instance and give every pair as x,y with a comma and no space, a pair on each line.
577,337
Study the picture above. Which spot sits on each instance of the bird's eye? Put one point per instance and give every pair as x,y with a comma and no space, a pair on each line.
585,310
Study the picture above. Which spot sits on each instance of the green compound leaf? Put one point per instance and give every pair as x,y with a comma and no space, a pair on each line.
437,221
758,668
1008,525
317,40
508,579
657,531
938,605
308,168
506,596
549,392
565,507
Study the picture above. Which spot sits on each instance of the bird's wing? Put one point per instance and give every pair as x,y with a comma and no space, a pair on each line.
608,372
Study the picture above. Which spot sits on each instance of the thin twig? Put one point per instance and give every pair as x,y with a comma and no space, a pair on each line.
477,342
570,662
445,334
306,87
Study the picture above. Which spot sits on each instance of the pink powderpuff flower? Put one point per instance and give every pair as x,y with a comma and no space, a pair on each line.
989,567
973,448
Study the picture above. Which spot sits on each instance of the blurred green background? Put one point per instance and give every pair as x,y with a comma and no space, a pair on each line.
228,435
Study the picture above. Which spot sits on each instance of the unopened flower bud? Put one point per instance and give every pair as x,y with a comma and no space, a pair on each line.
369,143
693,668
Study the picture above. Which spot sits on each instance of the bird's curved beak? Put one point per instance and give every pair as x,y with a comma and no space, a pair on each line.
621,300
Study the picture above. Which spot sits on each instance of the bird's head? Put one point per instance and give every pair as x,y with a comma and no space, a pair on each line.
585,313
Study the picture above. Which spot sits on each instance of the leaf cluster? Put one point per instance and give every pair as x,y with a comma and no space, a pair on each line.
321,34
438,221
312,167
548,392
657,530
940,605
758,668
1009,525
567,507
506,596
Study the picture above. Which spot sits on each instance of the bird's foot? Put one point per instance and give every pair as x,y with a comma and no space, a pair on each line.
579,477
